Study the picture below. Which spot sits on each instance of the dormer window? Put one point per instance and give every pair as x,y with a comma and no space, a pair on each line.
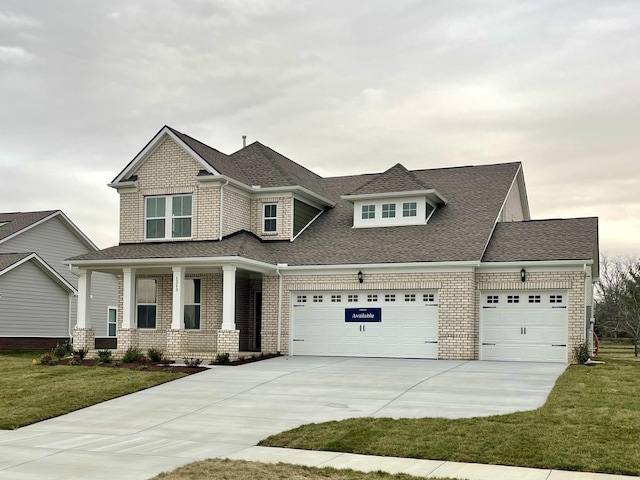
368,212
388,210
410,209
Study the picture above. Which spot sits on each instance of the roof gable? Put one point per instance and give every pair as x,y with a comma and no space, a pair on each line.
395,180
11,261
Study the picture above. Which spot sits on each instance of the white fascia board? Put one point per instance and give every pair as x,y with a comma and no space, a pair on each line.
431,194
297,189
245,263
542,266
524,199
44,266
372,268
148,150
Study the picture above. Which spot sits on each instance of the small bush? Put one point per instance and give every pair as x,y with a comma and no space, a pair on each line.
75,360
81,353
132,355
46,359
192,362
155,355
581,353
104,356
59,351
222,358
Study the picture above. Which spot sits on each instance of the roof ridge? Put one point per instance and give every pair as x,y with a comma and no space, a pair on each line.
197,141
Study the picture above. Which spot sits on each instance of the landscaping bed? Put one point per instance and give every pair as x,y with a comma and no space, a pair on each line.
166,367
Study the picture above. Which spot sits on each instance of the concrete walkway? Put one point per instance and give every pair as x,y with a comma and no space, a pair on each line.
224,412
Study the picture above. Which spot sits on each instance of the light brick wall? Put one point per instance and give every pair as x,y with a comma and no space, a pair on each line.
285,216
458,311
169,170
237,212
573,282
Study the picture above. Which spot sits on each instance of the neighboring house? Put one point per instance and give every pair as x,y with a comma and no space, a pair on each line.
253,252
38,292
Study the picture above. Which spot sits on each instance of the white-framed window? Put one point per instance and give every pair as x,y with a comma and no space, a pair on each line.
317,299
410,297
270,218
336,298
388,210
428,297
192,303
352,298
493,299
555,298
368,212
146,302
409,209
372,298
301,299
513,298
389,297
534,298
169,216
112,321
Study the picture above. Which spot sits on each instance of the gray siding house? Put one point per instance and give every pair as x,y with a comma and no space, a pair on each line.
38,293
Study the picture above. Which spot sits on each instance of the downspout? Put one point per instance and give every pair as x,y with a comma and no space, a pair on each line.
221,208
279,308
71,295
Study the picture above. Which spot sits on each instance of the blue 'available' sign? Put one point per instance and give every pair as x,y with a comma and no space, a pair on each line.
363,315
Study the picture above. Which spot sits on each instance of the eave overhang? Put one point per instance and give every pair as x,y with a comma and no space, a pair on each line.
432,195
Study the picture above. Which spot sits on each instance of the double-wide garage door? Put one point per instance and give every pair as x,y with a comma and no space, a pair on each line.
365,323
524,326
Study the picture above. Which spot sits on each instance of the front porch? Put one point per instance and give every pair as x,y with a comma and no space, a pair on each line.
184,310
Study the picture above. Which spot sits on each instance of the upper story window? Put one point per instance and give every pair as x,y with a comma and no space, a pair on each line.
270,218
388,210
409,209
368,212
168,216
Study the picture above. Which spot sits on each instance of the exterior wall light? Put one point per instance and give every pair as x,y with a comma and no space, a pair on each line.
523,274
360,276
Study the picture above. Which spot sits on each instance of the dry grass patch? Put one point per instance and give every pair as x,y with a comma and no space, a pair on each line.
241,470
591,422
31,393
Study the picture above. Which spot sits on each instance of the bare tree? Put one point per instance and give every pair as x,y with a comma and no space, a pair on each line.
608,294
630,305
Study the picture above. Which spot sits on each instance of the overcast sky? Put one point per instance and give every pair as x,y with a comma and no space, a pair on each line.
342,87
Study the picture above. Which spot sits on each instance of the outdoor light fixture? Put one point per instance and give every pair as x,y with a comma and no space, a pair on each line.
360,276
523,274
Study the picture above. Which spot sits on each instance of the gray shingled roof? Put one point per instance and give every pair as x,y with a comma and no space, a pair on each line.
396,179
8,259
20,220
558,239
458,231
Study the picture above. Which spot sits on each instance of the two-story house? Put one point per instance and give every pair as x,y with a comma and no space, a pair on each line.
253,252
38,292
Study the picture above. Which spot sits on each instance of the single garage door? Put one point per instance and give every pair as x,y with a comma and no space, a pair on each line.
365,324
524,326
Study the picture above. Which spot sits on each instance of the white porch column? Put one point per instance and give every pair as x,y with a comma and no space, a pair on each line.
84,299
177,314
228,297
128,297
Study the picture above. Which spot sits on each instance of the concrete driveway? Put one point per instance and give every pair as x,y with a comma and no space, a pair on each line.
229,409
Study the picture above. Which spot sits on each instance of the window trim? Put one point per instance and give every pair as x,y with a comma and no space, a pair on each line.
371,211
409,207
168,217
390,212
109,322
265,218
155,327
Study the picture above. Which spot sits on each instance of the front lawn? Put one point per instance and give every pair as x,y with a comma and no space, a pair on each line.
591,422
241,470
31,393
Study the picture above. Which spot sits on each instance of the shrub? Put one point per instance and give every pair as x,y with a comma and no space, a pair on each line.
192,362
581,353
104,356
222,358
81,353
46,359
132,355
155,354
59,351
75,360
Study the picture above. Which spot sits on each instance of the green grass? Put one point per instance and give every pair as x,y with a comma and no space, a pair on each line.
31,393
591,422
241,470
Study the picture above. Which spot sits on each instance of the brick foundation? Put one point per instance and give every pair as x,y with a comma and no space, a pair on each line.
84,338
228,341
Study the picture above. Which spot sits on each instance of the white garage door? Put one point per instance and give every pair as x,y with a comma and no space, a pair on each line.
524,326
365,324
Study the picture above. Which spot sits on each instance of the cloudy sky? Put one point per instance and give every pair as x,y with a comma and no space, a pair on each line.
341,87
